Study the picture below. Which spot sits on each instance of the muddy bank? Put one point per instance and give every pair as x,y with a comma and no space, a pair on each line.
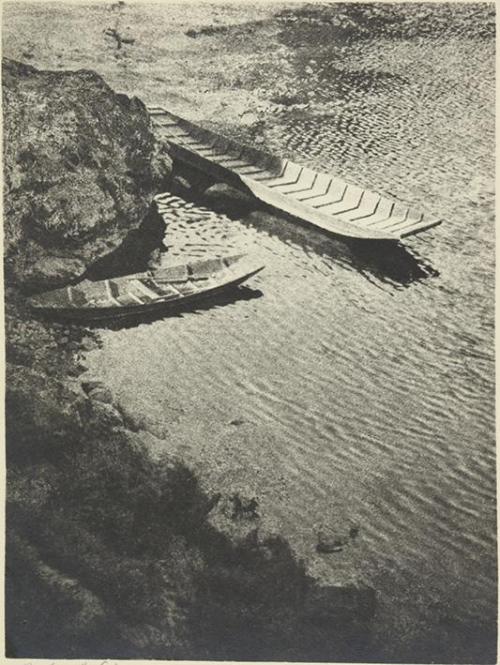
115,540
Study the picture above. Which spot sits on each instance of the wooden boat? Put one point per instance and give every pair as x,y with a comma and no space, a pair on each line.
323,201
161,289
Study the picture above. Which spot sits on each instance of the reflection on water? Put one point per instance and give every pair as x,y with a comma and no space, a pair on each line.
363,378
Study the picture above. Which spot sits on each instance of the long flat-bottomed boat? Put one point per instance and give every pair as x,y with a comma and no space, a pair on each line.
162,289
318,199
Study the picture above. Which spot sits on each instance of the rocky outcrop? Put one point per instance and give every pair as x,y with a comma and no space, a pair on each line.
80,169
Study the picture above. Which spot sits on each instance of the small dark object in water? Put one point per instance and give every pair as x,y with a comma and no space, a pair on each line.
329,542
244,508
111,32
237,422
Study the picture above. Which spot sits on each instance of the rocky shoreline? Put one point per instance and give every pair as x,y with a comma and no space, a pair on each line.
113,549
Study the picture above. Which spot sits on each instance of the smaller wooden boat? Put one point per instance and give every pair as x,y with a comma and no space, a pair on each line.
161,289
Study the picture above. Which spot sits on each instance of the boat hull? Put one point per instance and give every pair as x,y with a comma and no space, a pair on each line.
49,303
324,201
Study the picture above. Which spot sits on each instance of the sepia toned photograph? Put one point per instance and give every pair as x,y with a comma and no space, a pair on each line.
249,281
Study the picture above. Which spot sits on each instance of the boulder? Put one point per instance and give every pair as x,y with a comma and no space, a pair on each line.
52,272
81,167
103,416
225,198
97,391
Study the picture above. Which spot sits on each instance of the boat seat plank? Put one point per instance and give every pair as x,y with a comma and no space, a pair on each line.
125,299
398,215
235,164
380,214
368,205
186,288
205,269
177,132
171,274
304,184
153,286
290,176
193,143
140,290
335,194
319,188
76,297
351,200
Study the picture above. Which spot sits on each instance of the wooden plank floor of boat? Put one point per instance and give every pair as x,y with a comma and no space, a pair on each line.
319,199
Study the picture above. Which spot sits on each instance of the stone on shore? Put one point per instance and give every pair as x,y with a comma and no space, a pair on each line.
53,271
81,167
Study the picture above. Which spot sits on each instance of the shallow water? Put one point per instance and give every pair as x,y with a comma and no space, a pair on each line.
343,386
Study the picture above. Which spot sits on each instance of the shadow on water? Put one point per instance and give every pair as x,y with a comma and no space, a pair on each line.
227,297
386,261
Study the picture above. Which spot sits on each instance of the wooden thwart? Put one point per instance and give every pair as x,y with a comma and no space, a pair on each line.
319,199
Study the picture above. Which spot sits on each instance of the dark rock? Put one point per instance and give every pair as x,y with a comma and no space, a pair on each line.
104,416
225,198
136,252
96,390
180,186
102,395
192,179
52,272
89,386
80,168
244,508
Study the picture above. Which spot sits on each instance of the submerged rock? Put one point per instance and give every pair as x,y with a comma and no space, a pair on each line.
334,536
225,198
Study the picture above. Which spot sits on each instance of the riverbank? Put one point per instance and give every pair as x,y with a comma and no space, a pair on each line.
108,528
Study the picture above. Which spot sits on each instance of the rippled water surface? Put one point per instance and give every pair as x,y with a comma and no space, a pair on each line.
347,385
